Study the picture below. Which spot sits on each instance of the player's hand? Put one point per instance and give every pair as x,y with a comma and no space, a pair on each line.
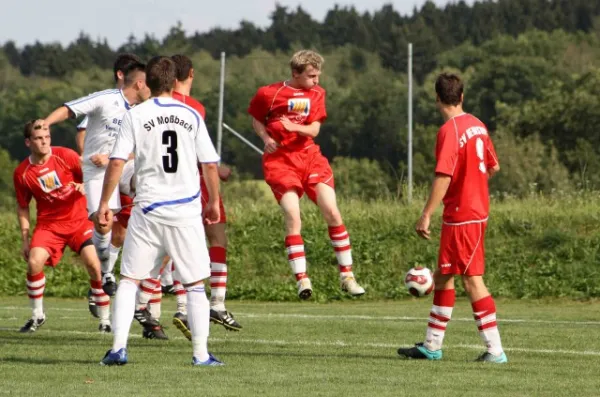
422,227
100,160
212,212
103,215
79,187
224,172
287,124
270,145
25,250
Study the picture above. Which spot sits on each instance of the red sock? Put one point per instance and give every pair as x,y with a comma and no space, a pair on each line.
296,257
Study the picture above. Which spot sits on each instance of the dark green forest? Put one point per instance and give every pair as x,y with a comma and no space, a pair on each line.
531,67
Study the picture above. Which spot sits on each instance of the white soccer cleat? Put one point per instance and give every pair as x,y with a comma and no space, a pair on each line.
349,285
304,288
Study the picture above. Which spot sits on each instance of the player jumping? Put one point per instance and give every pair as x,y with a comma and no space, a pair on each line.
288,116
53,176
465,161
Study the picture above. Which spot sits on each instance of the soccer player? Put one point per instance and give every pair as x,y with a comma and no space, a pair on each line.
288,116
105,110
465,160
52,176
168,139
121,65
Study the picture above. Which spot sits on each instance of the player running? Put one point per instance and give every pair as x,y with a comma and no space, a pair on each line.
288,116
465,160
53,176
168,139
104,109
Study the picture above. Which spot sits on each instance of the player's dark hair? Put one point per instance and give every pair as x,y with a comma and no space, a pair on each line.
183,65
160,75
123,62
29,127
131,73
449,88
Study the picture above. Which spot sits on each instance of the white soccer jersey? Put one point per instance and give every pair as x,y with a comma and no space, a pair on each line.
104,111
168,139
83,124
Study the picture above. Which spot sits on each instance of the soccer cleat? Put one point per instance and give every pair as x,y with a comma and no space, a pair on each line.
488,357
109,284
349,285
304,288
115,358
420,352
180,321
211,362
225,319
105,328
152,328
154,333
33,324
92,304
168,289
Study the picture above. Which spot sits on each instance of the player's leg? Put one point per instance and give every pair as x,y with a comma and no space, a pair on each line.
484,307
217,241
166,280
324,196
444,297
184,246
100,299
142,258
101,236
180,318
152,329
36,284
116,243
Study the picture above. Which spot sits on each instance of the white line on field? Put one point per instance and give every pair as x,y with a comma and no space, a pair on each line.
350,317
338,343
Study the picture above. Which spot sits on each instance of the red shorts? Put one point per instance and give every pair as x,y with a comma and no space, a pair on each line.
297,170
462,249
125,213
55,236
204,190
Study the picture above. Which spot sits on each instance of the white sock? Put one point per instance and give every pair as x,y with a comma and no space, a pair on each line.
113,256
102,244
181,297
198,309
123,309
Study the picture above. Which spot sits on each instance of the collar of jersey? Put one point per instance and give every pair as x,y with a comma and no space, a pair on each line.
127,105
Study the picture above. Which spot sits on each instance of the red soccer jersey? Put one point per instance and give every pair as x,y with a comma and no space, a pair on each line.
191,102
299,105
464,151
50,185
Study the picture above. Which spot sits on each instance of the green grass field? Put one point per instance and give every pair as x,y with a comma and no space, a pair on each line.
309,349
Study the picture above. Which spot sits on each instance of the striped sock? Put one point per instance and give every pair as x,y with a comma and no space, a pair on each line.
484,311
101,299
340,240
145,292
180,296
154,304
441,312
36,284
296,257
218,277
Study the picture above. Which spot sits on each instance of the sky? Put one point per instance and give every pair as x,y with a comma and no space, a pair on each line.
28,21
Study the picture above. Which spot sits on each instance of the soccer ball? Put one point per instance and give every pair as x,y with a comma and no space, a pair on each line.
419,281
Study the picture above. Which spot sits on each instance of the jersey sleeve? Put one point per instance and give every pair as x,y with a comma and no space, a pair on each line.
125,144
85,105
491,158
205,149
318,111
446,151
21,190
259,106
83,124
73,161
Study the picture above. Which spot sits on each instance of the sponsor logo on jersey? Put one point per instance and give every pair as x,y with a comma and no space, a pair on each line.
300,106
49,182
444,265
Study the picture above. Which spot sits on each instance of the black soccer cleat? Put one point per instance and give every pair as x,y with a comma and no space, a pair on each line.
109,284
419,352
152,328
104,328
180,321
168,289
225,319
155,332
32,325
92,304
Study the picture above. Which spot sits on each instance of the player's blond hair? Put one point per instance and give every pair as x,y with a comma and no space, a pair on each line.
301,59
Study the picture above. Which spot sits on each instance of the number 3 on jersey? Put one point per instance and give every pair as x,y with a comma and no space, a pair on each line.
170,161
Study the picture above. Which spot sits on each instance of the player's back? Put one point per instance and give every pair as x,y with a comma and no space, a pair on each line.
166,157
467,199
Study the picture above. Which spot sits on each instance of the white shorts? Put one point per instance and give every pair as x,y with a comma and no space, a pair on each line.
93,193
127,183
147,242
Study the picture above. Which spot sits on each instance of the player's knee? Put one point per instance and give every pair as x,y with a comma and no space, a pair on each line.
332,215
35,265
443,281
473,285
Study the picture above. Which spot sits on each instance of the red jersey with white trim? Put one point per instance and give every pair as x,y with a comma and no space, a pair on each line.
50,185
191,102
464,151
301,106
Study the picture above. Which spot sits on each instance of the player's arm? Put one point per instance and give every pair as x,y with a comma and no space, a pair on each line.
79,139
60,114
310,130
493,165
261,130
209,160
23,198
